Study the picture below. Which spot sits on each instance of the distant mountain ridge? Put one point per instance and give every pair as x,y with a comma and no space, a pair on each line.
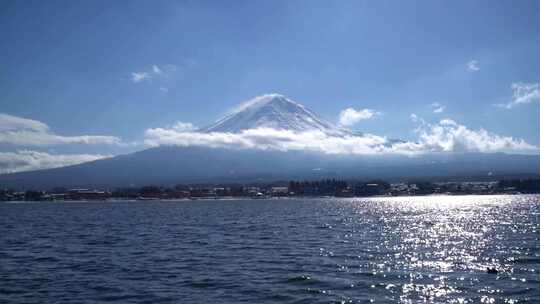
172,165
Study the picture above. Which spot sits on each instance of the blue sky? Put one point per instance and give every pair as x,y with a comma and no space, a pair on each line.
71,64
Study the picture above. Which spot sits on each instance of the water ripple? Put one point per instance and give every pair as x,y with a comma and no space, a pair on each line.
387,250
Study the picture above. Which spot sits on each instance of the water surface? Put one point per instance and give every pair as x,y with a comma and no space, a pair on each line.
384,250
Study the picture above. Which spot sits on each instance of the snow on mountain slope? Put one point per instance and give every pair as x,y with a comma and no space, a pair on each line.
277,112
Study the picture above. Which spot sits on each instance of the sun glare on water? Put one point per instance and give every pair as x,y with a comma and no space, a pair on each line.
445,245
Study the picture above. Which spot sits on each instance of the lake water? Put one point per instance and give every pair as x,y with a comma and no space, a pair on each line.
386,250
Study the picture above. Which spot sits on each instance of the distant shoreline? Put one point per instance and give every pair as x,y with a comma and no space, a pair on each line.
297,198
325,188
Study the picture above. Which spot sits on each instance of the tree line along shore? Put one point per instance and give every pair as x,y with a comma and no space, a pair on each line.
319,188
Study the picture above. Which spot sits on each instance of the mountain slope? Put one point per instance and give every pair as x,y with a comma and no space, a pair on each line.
273,111
172,165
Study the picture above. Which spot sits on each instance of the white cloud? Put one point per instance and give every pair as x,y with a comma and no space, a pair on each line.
472,66
139,76
438,108
271,139
445,136
523,93
350,116
164,90
183,126
27,132
449,136
26,160
13,123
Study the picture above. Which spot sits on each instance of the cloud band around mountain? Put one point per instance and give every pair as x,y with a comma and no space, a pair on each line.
444,136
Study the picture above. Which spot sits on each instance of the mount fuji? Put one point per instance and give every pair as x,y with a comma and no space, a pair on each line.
274,111
171,164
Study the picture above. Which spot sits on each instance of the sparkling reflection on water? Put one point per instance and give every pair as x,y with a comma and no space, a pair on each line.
384,250
438,248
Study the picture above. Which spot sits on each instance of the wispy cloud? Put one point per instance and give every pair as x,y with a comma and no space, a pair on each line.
155,71
164,90
25,160
472,66
137,77
522,93
28,132
444,136
350,116
438,108
183,126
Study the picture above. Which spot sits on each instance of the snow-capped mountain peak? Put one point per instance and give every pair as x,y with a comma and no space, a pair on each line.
273,111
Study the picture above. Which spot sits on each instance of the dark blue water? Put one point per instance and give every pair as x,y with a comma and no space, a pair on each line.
424,249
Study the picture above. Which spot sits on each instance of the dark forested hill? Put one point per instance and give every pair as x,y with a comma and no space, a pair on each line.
170,165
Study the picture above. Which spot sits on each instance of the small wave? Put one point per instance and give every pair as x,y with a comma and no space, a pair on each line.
206,283
527,260
300,279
